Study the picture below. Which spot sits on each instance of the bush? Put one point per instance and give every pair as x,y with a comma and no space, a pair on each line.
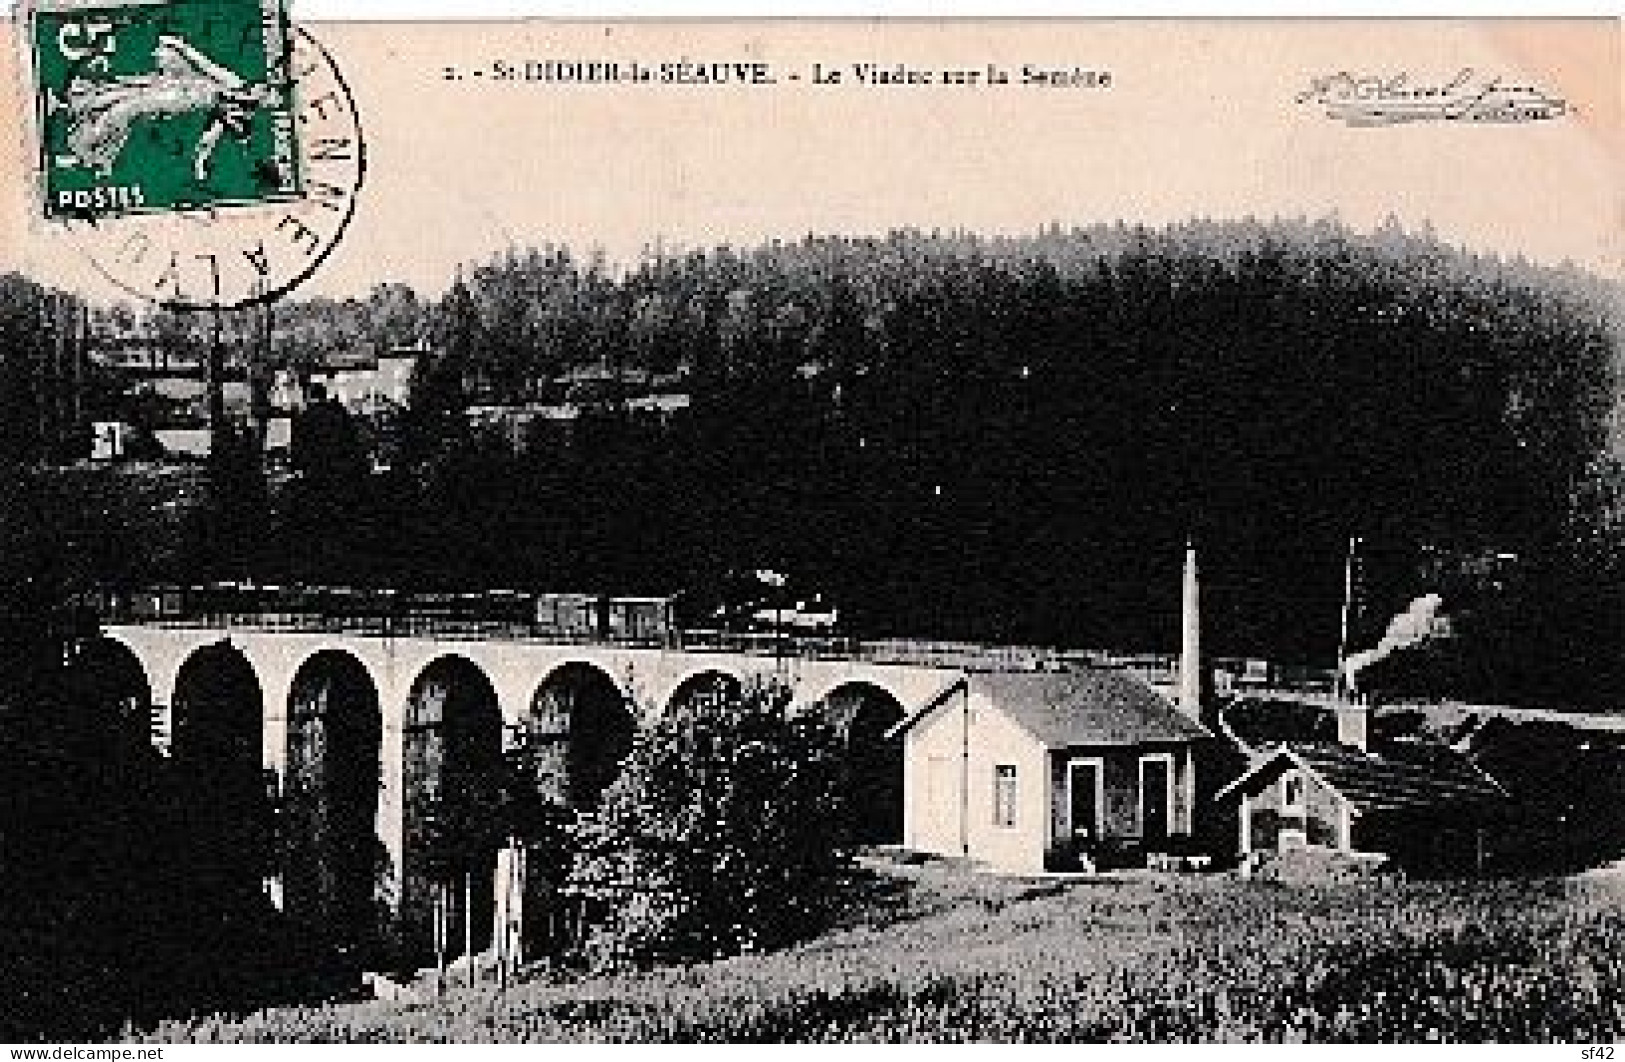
1322,865
725,833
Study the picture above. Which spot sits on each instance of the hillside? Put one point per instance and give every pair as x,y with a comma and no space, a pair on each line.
1006,439
940,955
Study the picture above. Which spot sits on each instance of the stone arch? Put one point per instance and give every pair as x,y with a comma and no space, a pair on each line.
111,683
215,747
863,712
452,770
705,682
578,731
334,866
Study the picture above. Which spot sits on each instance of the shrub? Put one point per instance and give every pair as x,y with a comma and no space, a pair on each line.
724,834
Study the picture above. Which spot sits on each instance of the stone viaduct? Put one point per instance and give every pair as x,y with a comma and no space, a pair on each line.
352,733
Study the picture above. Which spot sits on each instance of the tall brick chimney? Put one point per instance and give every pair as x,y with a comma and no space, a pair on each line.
1190,643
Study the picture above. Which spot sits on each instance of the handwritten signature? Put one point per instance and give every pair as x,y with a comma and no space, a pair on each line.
1374,100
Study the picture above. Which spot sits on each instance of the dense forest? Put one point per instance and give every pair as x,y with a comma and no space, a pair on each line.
1010,439
1006,439
111,913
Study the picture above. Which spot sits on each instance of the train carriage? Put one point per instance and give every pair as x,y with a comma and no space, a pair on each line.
575,617
640,620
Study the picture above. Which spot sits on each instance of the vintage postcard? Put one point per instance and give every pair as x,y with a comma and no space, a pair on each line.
907,530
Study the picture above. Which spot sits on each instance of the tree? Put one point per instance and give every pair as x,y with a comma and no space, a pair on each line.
461,835
393,316
327,503
539,833
436,417
229,526
725,833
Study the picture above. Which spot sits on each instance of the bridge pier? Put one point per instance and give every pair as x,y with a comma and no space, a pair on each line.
574,706
508,930
392,810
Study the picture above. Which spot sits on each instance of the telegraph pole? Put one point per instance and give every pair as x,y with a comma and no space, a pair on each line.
213,382
59,397
81,354
1341,686
41,372
257,368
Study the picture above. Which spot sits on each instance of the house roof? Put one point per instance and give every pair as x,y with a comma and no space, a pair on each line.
1086,706
1403,776
1263,722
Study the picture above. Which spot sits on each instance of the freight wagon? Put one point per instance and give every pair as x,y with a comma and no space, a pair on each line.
501,613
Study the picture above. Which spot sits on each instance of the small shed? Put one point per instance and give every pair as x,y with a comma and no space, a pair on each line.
1031,771
1419,804
110,440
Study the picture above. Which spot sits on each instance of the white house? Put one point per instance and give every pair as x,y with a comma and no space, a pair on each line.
369,386
1032,771
110,439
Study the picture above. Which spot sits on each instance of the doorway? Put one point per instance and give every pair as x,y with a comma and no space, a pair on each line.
1156,798
1085,797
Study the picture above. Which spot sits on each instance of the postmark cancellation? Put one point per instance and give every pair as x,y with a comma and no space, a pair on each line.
204,153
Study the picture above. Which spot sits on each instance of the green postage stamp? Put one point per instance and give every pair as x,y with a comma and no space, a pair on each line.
161,105
201,153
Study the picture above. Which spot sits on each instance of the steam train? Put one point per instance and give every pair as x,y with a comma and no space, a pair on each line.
571,617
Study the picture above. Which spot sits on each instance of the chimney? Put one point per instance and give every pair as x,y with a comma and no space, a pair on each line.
1354,725
1190,645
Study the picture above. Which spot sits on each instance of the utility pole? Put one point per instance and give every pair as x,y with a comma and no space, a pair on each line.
258,368
468,924
1340,687
214,383
59,397
81,356
41,370
69,377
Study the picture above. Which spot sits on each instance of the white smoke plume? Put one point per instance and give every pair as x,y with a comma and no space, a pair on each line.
1420,622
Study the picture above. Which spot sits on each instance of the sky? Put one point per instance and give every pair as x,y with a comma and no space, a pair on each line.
1201,120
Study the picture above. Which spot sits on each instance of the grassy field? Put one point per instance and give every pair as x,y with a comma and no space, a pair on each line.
946,956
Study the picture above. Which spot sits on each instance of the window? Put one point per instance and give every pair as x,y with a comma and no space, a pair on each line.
1004,796
1292,793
